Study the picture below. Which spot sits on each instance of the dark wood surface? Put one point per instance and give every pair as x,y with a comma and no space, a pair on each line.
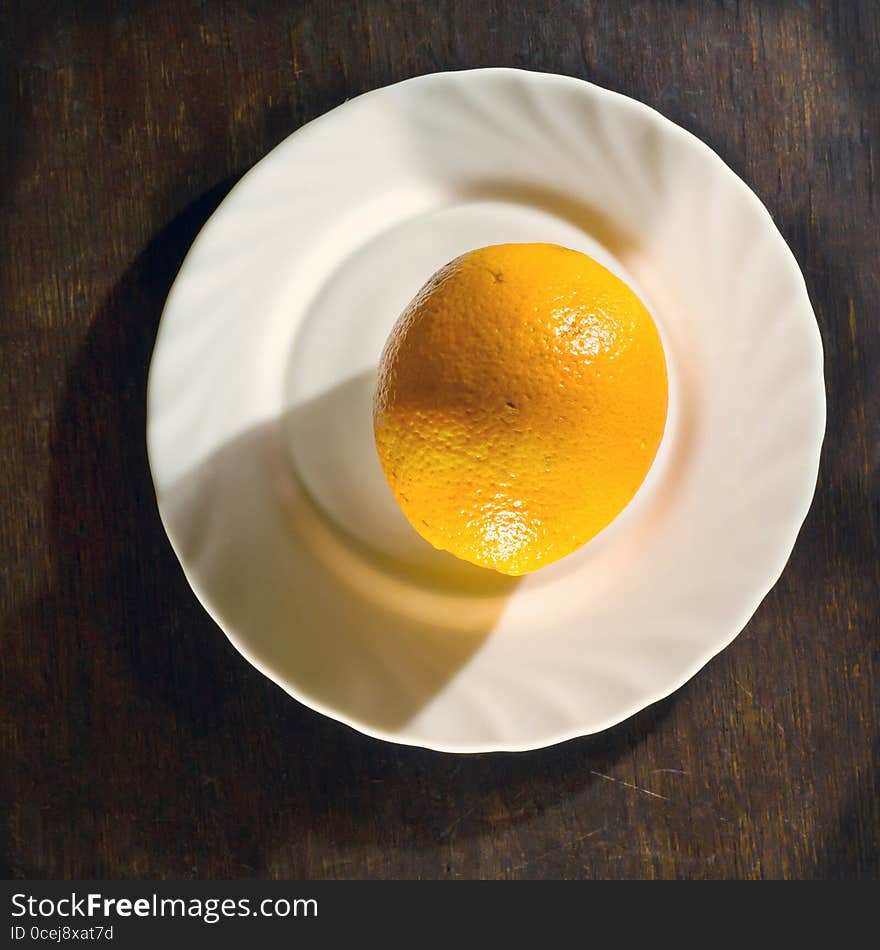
135,740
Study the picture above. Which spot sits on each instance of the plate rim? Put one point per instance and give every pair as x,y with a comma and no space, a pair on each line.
807,496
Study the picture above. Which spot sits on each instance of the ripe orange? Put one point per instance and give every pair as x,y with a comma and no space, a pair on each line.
521,400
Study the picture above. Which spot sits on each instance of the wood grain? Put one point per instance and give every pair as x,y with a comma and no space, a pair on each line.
135,741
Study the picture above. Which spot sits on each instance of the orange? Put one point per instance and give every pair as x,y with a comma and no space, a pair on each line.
521,400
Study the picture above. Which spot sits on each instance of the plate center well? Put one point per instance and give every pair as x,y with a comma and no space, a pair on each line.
332,369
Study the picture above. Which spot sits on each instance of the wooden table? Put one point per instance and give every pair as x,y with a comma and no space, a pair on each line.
135,740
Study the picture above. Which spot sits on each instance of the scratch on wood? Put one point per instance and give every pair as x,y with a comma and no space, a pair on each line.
740,685
636,788
451,827
560,847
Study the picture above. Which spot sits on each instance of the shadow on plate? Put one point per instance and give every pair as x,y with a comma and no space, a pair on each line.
368,639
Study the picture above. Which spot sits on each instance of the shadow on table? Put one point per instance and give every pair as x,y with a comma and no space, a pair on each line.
152,746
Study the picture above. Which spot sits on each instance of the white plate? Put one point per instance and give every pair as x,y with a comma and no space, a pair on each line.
261,382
